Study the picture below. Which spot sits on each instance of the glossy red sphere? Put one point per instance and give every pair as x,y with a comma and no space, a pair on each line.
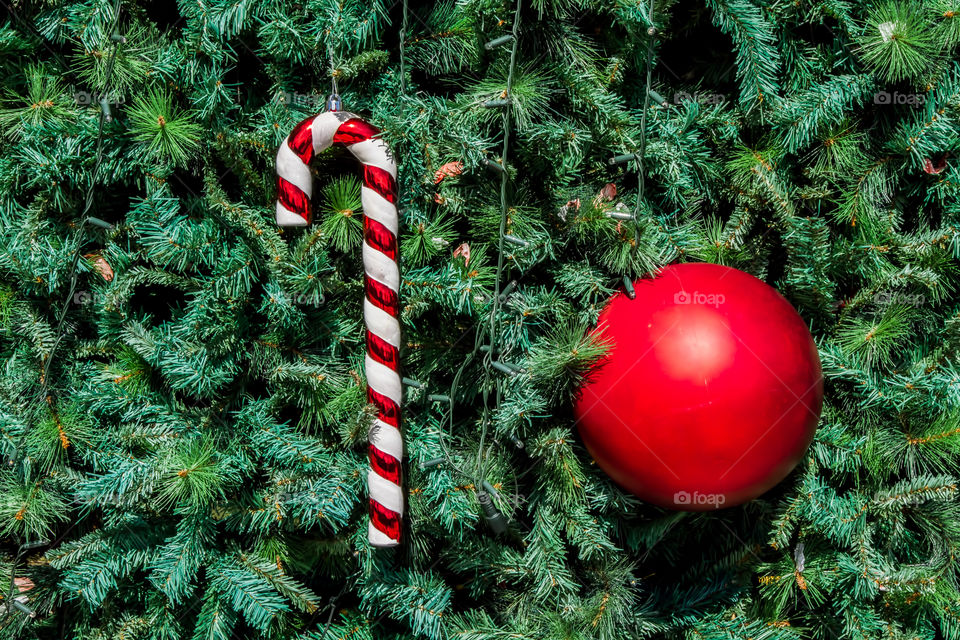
710,393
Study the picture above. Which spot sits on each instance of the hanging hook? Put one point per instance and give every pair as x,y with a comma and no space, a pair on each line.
333,100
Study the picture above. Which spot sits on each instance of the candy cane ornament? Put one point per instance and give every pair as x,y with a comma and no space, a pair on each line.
381,306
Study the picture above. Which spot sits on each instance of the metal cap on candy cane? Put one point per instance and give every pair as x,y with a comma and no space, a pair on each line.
381,307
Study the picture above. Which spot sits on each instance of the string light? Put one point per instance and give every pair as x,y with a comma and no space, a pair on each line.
623,158
496,42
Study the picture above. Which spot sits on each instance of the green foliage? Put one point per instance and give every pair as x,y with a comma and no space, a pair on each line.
44,101
190,477
167,132
562,359
29,511
184,455
341,222
897,41
758,59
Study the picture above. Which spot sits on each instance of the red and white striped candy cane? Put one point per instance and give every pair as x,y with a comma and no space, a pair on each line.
381,308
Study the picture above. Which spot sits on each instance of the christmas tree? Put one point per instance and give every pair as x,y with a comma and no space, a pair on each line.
183,406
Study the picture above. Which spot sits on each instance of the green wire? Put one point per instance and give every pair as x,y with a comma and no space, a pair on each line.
495,308
490,327
85,219
403,37
643,132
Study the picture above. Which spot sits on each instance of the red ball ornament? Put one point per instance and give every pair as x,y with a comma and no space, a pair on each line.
710,393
